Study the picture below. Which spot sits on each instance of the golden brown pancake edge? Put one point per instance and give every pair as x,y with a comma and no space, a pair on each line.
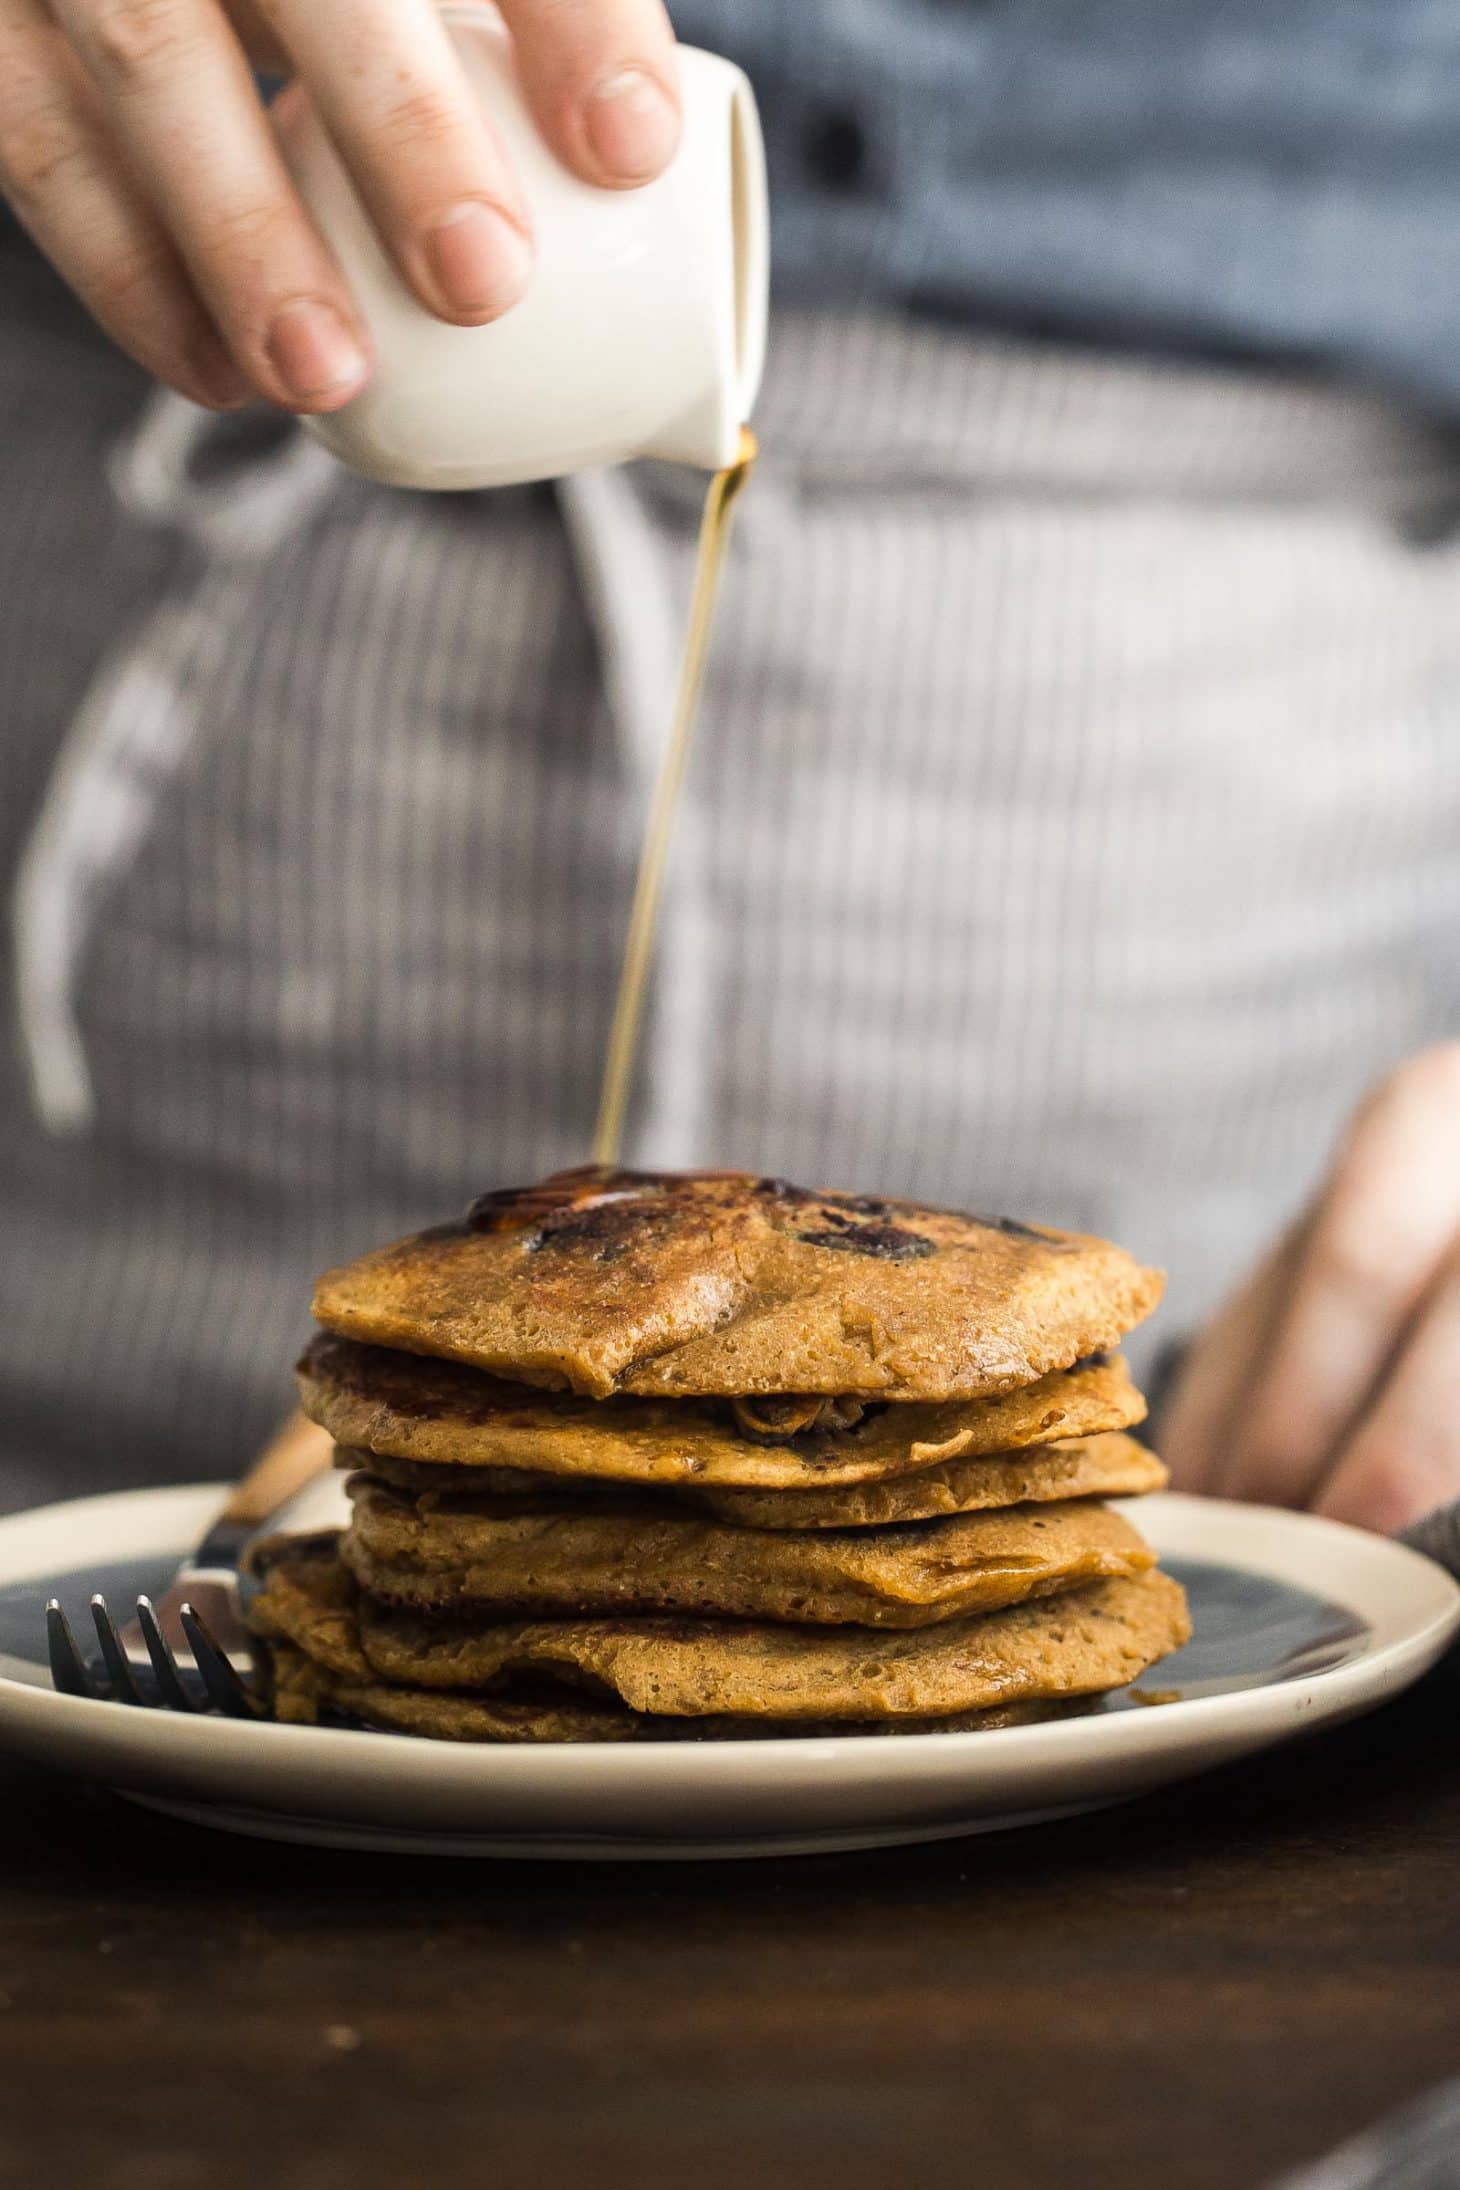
409,1408
1108,1465
1083,1641
565,1563
305,1693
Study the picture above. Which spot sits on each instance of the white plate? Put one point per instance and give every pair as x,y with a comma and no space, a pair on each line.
1299,1622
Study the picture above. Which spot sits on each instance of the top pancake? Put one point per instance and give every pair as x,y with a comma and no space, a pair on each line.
696,1283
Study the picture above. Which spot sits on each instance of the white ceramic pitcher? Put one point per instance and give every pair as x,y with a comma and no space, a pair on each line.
642,332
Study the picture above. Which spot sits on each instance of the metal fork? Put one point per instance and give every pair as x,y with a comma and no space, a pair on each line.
192,1652
211,1682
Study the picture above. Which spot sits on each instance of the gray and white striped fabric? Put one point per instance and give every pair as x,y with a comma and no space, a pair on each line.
1073,829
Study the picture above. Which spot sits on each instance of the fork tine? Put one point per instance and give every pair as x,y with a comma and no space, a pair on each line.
124,1688
164,1664
219,1678
68,1668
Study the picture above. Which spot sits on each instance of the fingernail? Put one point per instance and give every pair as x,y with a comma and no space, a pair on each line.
218,379
313,351
478,261
632,124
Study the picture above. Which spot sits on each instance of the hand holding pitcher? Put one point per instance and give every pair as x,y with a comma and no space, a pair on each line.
135,147
641,332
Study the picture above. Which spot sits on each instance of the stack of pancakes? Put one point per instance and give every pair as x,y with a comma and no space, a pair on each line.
653,1455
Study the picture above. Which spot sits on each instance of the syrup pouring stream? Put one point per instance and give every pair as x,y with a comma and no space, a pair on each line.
618,1067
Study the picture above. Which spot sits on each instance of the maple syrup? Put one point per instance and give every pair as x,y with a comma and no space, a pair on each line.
623,1040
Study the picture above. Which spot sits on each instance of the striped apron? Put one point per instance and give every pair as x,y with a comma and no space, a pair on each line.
1073,829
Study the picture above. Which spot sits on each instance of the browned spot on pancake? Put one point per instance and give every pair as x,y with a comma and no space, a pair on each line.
546,1206
528,1208
858,1205
1015,1230
889,1242
794,1197
720,1284
604,1230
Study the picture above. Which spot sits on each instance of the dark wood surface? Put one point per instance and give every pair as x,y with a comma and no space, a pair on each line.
1191,1991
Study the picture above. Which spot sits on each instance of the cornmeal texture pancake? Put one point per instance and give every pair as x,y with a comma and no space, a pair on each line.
1076,1644
407,1408
1111,1466
462,1555
679,1285
1084,1641
316,1599
303,1693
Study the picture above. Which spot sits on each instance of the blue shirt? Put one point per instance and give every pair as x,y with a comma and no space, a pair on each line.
1271,176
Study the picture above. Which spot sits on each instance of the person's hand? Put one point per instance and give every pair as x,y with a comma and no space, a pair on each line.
134,147
1330,1379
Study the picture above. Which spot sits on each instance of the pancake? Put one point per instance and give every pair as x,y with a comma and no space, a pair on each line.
462,1557
1079,1643
1084,1641
304,1693
1110,1466
408,1408
306,1619
680,1285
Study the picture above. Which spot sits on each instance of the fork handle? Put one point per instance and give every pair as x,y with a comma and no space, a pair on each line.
297,1452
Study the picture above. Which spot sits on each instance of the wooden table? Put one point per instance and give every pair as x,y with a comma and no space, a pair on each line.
1183,1994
